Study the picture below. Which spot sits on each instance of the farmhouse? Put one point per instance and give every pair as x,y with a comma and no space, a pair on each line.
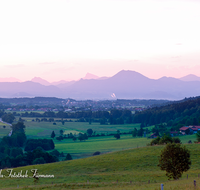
195,128
189,129
153,136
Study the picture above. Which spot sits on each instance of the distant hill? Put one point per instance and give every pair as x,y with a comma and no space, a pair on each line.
40,81
65,85
28,89
90,76
174,114
133,85
59,82
125,84
190,78
103,78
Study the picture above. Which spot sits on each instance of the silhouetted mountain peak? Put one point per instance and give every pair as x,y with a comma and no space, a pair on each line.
125,84
41,81
167,78
127,74
190,77
90,76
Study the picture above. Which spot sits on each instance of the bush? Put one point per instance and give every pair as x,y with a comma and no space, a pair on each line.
165,140
59,138
68,157
82,137
74,138
39,161
155,141
96,153
176,140
117,136
55,153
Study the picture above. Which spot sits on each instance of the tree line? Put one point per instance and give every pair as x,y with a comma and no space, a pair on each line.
12,154
175,115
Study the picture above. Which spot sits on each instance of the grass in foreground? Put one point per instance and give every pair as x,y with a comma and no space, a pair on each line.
103,172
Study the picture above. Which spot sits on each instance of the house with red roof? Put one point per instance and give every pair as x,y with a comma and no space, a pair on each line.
153,136
186,130
195,128
189,129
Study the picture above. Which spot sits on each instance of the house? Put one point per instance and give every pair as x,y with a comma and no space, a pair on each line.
185,130
153,136
198,127
189,129
195,128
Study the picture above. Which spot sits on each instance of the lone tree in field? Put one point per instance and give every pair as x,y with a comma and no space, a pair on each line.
53,134
174,159
89,132
68,157
74,139
61,132
117,136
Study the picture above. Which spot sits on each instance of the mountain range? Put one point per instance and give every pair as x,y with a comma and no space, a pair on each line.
123,85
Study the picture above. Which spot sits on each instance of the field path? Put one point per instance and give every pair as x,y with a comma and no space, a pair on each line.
5,122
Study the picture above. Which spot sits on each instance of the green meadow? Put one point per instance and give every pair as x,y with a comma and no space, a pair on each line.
83,149
44,129
77,149
126,163
105,144
128,169
4,131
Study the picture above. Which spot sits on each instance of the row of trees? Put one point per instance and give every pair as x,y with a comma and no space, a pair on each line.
104,117
9,118
164,140
45,144
12,154
89,133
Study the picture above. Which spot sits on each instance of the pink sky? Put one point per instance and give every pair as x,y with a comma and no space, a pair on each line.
65,39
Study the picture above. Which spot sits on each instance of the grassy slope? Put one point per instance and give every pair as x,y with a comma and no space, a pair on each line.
105,144
102,172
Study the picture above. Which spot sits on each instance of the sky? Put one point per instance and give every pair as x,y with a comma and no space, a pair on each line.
65,39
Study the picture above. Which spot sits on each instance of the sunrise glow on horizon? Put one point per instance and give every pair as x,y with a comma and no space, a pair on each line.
65,39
